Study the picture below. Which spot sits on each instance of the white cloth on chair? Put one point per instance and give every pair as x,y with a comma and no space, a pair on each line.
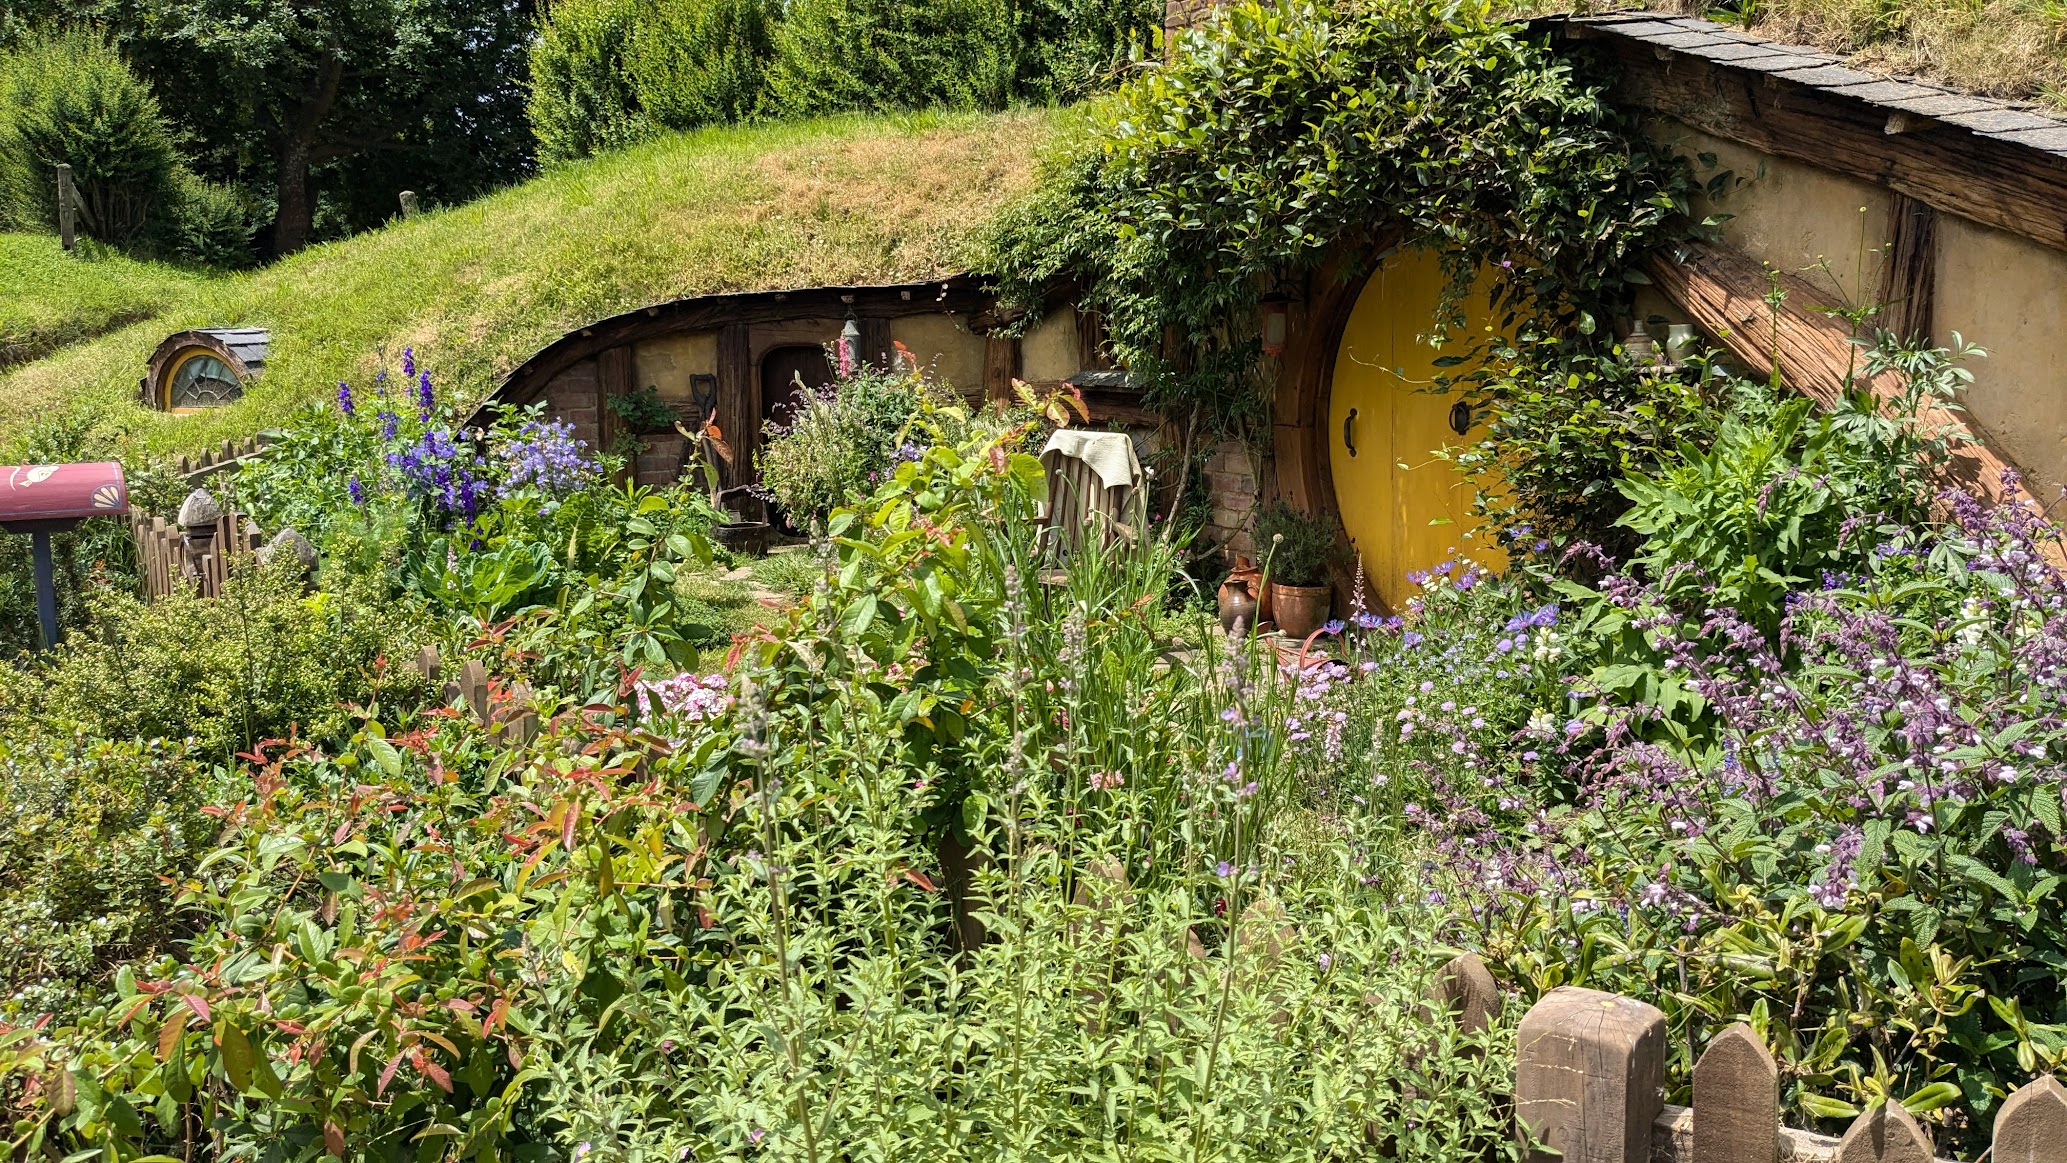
1095,482
1110,455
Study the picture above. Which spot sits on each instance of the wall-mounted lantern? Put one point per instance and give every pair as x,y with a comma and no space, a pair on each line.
41,499
1274,321
204,369
850,345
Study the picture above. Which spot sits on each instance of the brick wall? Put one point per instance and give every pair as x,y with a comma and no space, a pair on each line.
1179,15
1231,483
572,397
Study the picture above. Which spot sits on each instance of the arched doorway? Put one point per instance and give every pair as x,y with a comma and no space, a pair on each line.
1403,508
781,369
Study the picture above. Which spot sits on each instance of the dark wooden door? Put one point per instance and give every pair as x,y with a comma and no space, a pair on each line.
781,370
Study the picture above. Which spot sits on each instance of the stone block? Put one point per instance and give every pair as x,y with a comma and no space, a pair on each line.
1589,1077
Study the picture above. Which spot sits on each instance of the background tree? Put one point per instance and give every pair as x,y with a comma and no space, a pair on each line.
325,109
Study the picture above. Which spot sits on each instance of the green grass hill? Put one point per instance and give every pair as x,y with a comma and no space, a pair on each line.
478,288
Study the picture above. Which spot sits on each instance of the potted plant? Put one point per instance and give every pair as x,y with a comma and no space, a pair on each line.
734,531
1298,551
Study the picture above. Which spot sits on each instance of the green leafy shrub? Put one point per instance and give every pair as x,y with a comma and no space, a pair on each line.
842,440
265,660
1298,549
95,837
879,55
606,73
1562,426
68,97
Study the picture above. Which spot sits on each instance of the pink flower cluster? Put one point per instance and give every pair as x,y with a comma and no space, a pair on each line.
685,696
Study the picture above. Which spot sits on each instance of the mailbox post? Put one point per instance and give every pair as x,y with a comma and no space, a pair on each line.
41,499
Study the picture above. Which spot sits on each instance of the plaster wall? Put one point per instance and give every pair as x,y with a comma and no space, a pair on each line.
945,348
1049,352
1827,229
2009,296
2004,293
668,362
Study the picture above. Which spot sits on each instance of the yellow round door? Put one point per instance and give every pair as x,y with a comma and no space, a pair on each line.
1404,508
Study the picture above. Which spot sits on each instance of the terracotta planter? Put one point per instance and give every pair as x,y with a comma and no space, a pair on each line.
1300,610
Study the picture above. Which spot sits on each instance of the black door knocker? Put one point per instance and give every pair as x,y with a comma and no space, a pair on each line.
1460,417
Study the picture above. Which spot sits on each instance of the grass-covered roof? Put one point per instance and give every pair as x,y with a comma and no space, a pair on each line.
477,288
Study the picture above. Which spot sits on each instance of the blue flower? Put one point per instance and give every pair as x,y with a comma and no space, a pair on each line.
344,397
357,491
409,363
1333,627
425,401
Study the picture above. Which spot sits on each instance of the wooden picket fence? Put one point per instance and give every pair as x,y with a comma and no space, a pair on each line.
167,559
228,458
1589,1087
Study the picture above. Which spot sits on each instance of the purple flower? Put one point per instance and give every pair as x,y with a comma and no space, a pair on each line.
357,491
544,454
409,363
1333,627
426,402
1224,870
344,397
389,422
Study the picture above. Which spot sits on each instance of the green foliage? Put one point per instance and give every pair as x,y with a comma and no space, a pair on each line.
1298,549
1283,136
606,73
263,661
69,98
643,410
93,838
320,112
879,55
1562,425
842,440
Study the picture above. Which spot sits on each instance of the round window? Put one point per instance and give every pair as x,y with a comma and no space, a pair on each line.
201,380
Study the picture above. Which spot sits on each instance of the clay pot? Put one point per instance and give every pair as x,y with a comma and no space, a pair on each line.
1237,605
1300,610
1246,572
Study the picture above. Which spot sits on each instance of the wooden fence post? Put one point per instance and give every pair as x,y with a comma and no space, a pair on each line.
1885,1134
1736,1100
2032,1125
1589,1078
67,229
1465,988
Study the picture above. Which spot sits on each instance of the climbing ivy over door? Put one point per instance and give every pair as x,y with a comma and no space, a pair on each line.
1285,133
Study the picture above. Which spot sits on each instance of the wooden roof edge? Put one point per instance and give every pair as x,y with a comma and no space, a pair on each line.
2023,124
1979,159
954,294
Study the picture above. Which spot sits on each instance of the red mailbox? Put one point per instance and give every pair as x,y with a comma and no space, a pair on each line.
41,499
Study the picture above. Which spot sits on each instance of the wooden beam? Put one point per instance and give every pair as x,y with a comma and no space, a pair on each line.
1994,182
739,401
1909,270
1000,368
1724,292
615,373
